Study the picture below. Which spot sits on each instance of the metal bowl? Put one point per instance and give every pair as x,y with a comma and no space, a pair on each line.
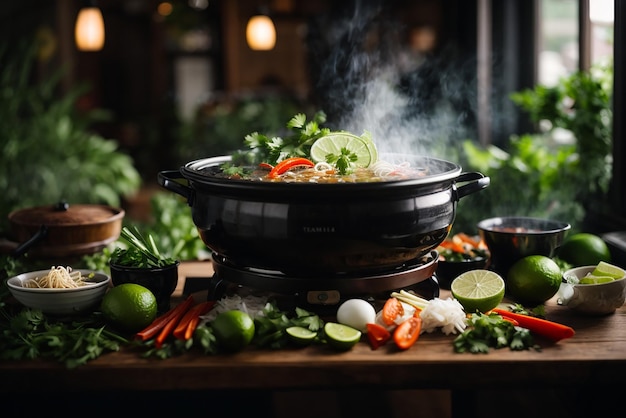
514,237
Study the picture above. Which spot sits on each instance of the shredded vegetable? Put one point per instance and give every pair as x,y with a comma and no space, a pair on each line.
447,314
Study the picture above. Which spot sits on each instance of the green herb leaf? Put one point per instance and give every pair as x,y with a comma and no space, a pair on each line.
30,335
492,331
142,253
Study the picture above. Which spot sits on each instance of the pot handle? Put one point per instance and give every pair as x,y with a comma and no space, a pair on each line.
26,245
475,182
167,180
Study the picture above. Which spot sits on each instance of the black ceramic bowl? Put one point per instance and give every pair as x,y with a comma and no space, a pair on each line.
160,281
447,271
512,238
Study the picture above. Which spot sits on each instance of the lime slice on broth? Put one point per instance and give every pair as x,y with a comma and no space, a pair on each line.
367,137
363,148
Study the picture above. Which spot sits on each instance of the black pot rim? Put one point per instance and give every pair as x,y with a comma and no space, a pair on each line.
445,174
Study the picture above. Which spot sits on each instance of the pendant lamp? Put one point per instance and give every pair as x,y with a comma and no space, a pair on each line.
89,30
261,33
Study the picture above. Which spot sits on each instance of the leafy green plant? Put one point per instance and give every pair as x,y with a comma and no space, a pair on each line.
534,175
581,104
49,153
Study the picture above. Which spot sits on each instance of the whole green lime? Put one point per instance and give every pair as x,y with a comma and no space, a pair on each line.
584,249
533,279
233,330
129,306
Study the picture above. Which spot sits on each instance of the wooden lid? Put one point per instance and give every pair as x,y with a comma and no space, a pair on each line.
63,214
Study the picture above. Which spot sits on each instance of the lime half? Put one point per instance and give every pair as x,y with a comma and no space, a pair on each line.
301,335
478,290
332,144
341,337
604,269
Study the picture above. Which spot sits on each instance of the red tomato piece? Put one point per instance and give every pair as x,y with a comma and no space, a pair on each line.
391,310
377,335
407,332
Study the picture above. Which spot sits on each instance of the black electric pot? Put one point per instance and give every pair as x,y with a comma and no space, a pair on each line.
306,229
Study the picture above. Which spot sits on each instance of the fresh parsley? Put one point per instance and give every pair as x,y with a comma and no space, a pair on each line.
31,335
270,328
484,332
539,311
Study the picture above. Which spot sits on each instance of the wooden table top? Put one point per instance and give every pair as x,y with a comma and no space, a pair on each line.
597,353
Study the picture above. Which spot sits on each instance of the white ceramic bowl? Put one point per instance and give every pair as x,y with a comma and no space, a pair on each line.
594,299
60,301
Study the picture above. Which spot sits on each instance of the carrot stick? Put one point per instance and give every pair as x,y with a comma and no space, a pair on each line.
193,323
191,327
194,312
153,329
452,245
171,324
552,330
467,239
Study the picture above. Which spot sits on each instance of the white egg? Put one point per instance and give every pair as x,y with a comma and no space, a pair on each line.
356,313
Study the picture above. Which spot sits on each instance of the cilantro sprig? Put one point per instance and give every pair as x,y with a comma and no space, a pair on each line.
343,161
301,134
31,335
272,325
484,332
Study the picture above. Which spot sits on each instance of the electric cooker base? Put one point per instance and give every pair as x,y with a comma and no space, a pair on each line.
323,295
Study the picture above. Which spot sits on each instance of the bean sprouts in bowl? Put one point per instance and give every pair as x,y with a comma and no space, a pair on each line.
47,291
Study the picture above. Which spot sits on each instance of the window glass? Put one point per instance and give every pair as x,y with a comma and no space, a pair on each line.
601,16
558,40
559,37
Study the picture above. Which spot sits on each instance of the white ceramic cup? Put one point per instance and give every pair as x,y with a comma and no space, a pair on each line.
593,299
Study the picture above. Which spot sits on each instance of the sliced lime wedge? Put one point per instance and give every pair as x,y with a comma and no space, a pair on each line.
478,290
593,279
604,269
341,337
333,144
301,335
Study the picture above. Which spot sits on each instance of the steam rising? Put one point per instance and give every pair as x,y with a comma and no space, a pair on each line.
368,78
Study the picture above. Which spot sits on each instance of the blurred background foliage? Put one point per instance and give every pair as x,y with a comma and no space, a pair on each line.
563,171
49,154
